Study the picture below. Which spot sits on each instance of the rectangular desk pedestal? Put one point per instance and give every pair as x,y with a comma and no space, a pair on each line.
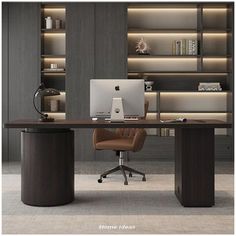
194,166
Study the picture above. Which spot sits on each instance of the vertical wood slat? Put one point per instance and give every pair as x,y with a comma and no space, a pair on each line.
79,70
5,108
24,66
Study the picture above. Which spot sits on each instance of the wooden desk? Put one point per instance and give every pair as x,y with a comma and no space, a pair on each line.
48,158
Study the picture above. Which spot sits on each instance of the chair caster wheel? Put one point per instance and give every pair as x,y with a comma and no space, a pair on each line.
99,180
126,183
144,178
104,176
130,174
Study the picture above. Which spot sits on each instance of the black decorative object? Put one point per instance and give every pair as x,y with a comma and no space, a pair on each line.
42,91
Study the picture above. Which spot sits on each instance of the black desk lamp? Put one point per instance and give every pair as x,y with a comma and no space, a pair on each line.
42,91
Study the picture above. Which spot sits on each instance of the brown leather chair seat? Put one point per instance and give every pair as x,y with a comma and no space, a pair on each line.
122,144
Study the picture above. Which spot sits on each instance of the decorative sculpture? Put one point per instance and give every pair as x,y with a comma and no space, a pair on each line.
142,47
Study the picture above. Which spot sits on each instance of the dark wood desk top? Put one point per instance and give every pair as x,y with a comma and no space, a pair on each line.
73,124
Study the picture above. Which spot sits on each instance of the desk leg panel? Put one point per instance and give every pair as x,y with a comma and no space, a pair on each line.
194,166
47,167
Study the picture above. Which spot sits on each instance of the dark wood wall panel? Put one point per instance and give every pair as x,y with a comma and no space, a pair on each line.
111,40
5,80
110,48
80,69
24,66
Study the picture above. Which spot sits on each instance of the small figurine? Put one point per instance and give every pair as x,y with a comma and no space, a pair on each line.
142,48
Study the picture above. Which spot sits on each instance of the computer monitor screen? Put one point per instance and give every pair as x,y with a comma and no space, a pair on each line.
103,92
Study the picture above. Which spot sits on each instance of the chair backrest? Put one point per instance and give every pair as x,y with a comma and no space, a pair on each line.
130,132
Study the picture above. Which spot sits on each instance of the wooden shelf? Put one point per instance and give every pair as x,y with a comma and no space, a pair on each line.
214,34
52,6
52,56
159,112
160,31
53,74
186,91
195,112
53,30
154,74
162,56
53,50
162,6
215,30
56,112
216,56
179,72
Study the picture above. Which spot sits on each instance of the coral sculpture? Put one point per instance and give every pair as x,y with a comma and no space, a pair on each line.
142,47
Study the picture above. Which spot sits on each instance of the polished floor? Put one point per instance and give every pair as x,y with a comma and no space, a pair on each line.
141,207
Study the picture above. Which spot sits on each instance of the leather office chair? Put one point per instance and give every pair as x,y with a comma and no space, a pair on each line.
121,140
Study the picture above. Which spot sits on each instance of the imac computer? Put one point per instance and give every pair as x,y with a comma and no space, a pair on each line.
116,98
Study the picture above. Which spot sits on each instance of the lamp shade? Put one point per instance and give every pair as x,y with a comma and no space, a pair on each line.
49,92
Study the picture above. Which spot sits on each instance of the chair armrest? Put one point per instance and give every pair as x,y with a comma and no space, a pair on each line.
100,135
139,139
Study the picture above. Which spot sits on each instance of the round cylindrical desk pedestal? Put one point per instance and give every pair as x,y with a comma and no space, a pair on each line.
47,167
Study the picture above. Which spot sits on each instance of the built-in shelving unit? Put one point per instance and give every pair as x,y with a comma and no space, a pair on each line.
53,43
176,77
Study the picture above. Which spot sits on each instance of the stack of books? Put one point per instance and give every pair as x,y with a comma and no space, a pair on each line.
185,47
209,86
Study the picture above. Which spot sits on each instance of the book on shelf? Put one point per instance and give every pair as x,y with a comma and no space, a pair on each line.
185,47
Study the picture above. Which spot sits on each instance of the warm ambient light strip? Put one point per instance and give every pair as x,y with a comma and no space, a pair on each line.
193,115
151,94
224,113
54,59
54,34
161,34
54,9
62,93
215,34
162,59
161,9
193,93
215,59
215,9
177,73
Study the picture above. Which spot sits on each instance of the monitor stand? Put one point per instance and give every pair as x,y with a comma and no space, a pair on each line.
117,111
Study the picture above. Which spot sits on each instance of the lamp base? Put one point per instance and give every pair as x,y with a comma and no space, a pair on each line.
46,119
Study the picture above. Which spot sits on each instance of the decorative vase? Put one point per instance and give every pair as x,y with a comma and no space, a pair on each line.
48,22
